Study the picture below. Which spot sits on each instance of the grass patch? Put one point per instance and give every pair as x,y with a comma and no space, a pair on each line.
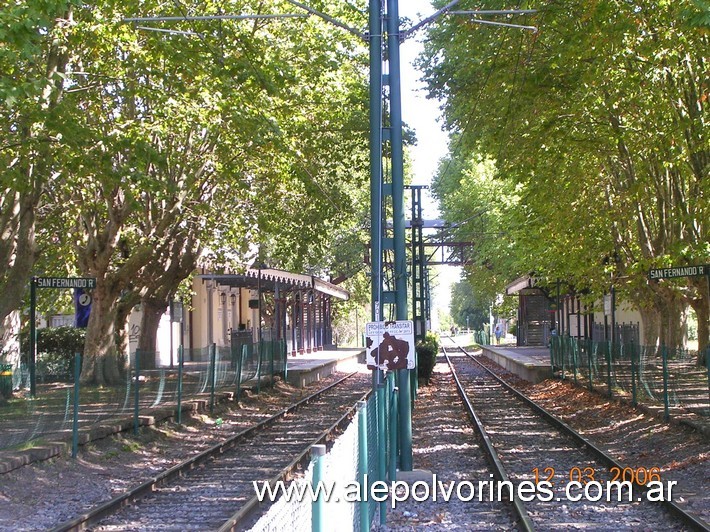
30,444
130,447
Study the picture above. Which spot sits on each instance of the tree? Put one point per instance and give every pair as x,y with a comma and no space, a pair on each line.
33,62
196,150
466,309
600,124
482,209
147,149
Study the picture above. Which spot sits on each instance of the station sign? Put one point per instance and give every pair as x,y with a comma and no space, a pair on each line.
679,271
176,311
607,304
389,345
86,283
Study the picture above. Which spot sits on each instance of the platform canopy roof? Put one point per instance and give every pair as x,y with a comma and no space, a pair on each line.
519,284
268,278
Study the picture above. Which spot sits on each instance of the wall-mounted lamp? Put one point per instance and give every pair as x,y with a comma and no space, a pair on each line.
233,298
223,298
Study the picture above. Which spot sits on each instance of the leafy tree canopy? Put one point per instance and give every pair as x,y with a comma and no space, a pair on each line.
598,123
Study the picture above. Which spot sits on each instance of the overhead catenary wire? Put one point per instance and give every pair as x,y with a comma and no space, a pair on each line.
328,18
171,32
504,24
194,18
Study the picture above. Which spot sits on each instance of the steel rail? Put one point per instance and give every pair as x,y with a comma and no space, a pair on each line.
85,520
689,519
498,467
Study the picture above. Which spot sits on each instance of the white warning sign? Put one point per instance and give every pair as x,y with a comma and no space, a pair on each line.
389,344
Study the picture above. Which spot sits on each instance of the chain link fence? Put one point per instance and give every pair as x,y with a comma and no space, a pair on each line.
652,375
144,390
347,472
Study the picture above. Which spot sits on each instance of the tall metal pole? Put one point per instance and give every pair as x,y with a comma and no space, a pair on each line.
415,222
400,256
33,337
375,36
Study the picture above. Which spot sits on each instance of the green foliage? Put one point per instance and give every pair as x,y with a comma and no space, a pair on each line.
62,341
483,207
466,308
56,348
582,151
137,150
427,350
698,14
445,320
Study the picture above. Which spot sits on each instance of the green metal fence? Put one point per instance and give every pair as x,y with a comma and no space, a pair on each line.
356,458
205,374
653,375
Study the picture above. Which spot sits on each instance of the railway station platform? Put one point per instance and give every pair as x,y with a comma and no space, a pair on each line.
311,367
529,363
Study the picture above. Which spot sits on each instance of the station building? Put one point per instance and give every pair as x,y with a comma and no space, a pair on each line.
541,309
258,304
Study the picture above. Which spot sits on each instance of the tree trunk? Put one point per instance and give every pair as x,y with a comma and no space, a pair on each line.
17,251
123,311
102,361
161,279
10,339
701,306
651,325
672,311
151,312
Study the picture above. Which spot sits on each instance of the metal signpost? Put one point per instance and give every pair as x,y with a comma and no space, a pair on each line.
675,272
86,283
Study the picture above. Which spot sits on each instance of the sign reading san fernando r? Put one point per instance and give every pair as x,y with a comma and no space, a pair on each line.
679,271
86,283
390,345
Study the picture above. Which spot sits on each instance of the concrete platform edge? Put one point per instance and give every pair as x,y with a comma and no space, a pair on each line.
301,377
528,371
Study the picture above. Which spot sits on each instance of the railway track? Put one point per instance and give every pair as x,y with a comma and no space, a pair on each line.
563,472
214,490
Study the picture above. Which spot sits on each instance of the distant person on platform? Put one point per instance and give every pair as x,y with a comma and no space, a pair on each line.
498,333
